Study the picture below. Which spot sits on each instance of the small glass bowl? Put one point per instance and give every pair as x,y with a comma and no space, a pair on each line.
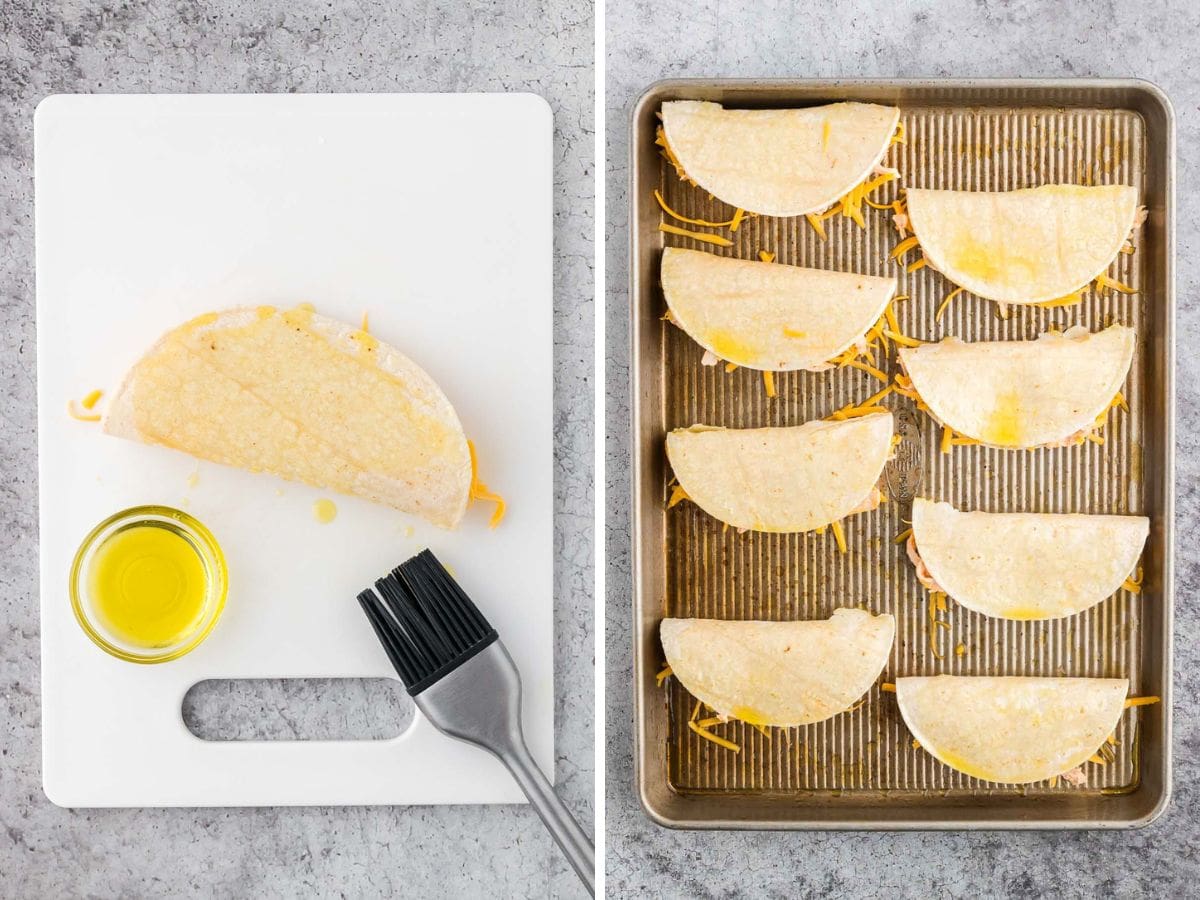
216,583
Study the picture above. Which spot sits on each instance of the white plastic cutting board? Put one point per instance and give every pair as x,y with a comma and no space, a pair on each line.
433,213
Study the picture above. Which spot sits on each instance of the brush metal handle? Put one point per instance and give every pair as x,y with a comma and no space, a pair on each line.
557,819
480,702
555,815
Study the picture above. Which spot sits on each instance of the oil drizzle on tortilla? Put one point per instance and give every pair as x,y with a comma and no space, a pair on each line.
749,715
727,346
987,262
1024,613
1003,427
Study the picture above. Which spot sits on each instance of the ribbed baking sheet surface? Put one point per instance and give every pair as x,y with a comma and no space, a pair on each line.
719,573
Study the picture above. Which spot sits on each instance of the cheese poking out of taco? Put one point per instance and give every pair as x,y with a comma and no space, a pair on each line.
1025,565
770,316
783,479
779,673
304,397
1011,730
1022,394
1024,246
778,162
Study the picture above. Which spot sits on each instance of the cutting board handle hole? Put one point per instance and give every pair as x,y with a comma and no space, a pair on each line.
297,709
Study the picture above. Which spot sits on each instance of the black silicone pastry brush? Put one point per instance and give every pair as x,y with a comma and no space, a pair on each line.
456,669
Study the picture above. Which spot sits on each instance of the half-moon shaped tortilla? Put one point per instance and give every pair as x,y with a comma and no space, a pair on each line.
1021,394
767,315
779,673
782,479
1012,730
1026,565
778,162
303,397
1024,246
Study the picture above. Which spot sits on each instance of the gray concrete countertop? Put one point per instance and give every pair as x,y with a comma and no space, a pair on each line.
273,46
653,39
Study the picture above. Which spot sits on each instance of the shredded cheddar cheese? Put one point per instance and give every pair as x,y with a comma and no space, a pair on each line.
766,256
93,397
903,247
902,536
937,317
674,215
738,215
839,536
850,205
769,383
947,437
826,127
856,412
695,711
662,676
903,339
898,137
1133,584
730,367
919,264
696,235
876,333
716,739
480,491
875,398
937,602
869,369
1068,300
660,138
890,315
678,494
1131,702
1103,281
81,417
793,333
887,687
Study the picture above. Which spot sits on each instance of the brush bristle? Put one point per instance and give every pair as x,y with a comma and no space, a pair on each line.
427,625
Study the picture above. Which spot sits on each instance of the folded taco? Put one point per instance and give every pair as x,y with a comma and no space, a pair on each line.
1023,565
777,162
1025,246
770,316
1052,391
791,479
308,398
779,673
1011,730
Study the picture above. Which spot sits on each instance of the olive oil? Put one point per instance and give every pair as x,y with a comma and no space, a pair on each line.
149,584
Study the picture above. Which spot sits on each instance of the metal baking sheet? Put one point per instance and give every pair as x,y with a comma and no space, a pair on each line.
860,769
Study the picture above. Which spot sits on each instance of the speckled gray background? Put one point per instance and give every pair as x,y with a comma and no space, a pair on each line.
652,39
231,46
